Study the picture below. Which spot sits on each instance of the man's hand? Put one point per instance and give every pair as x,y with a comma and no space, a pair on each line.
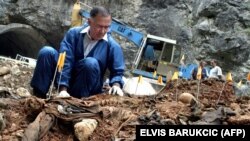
116,90
63,93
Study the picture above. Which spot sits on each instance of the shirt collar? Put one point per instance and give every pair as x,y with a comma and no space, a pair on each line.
86,30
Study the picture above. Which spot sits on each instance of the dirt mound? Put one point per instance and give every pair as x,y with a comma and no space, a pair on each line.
209,92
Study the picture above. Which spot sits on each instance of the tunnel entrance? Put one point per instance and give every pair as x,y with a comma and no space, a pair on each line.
20,39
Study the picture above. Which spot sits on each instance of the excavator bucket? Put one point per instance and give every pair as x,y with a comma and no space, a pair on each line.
139,87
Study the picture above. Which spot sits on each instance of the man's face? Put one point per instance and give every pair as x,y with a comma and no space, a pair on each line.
212,63
99,26
203,64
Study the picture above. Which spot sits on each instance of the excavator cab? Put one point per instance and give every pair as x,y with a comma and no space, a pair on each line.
157,54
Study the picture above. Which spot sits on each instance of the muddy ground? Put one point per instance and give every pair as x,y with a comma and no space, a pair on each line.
215,103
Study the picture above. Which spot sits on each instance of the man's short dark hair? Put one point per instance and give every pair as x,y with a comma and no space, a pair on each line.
202,63
214,61
99,10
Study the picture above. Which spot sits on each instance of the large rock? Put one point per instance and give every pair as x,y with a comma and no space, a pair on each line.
22,92
4,70
2,122
245,18
209,8
226,20
85,128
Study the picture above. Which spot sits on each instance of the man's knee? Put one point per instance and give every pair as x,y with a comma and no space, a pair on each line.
89,63
47,51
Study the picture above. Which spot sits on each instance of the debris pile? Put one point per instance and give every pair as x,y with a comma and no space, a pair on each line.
210,91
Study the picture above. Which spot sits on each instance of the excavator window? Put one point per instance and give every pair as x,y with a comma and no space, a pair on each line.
176,55
151,55
167,53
